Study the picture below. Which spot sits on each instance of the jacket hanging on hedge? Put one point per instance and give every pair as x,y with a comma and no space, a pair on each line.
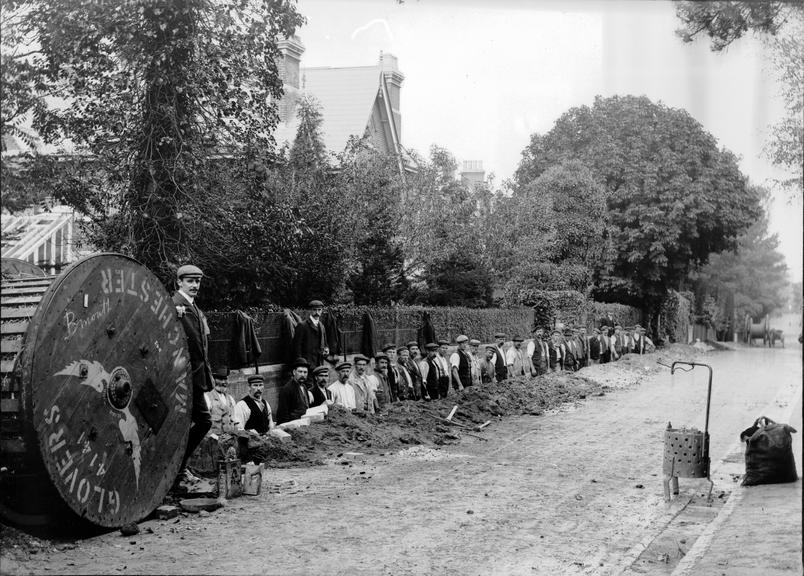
244,348
333,332
287,330
426,333
369,330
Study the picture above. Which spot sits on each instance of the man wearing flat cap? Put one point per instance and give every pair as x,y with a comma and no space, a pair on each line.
557,351
392,372
488,372
460,364
518,361
310,337
188,280
319,390
408,388
378,381
293,396
365,398
221,404
254,417
253,413
434,374
445,375
642,344
342,391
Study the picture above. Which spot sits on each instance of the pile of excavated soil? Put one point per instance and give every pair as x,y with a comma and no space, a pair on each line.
407,423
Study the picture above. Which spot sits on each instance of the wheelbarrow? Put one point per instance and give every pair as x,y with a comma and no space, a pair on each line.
686,450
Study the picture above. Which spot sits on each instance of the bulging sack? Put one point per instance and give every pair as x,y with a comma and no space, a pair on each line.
768,453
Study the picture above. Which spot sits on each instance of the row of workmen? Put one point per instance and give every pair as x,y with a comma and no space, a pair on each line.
403,373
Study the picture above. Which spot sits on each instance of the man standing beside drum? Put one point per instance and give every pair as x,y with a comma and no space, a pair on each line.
197,331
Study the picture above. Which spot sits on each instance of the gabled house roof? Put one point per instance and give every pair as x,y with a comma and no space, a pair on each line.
346,97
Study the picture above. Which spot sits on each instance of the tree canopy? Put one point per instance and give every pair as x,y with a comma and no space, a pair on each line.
753,272
153,90
780,24
672,197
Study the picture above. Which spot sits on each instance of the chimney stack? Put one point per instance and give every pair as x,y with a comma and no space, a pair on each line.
393,79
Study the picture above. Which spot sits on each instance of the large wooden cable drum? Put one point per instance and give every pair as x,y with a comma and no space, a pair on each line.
96,391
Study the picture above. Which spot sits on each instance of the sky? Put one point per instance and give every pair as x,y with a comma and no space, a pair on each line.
482,76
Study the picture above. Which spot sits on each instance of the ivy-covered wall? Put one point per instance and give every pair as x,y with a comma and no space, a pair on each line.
675,316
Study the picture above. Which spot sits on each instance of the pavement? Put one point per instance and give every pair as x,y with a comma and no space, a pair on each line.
759,529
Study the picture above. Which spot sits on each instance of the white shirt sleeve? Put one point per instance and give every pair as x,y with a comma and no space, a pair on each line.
241,415
455,360
510,356
424,368
531,348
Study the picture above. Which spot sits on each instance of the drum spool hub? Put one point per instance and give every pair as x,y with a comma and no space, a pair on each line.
96,393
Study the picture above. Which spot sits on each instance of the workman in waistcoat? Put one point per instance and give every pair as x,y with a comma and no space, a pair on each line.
488,373
253,414
500,367
461,364
221,404
321,394
434,374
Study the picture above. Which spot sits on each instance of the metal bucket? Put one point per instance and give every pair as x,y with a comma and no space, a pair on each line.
686,453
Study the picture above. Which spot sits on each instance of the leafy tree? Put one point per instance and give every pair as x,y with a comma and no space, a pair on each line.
154,91
307,182
441,230
459,280
781,26
754,272
554,228
726,21
372,187
672,197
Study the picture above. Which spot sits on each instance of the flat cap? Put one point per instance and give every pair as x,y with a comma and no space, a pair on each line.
321,370
518,339
412,343
343,366
500,335
220,373
380,356
492,348
189,271
315,304
462,338
388,346
300,363
398,350
360,358
431,346
256,379
474,342
443,343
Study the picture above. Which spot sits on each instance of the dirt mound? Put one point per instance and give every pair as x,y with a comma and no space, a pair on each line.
409,423
412,423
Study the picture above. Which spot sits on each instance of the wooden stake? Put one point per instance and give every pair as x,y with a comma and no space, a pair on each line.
452,413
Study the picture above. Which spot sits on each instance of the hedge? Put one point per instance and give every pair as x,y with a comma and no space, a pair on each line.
398,324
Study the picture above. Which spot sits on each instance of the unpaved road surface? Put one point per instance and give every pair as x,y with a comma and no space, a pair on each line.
574,491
